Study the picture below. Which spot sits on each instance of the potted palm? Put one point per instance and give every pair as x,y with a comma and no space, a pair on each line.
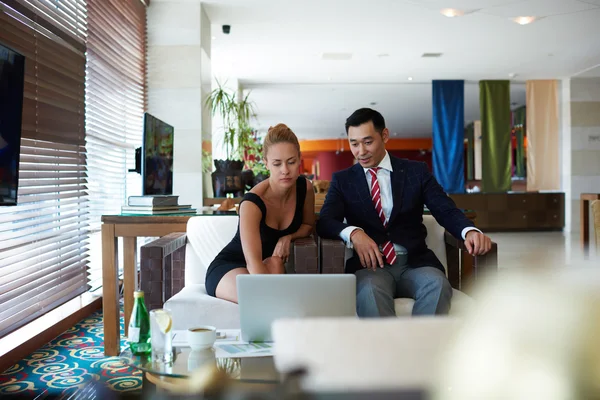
235,116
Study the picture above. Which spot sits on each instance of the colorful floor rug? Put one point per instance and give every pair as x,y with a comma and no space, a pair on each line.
70,362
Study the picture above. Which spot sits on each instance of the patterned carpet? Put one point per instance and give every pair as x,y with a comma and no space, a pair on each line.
70,362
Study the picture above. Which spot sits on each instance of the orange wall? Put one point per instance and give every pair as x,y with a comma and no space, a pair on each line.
392,144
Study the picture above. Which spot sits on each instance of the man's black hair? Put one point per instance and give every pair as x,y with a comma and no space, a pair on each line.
364,115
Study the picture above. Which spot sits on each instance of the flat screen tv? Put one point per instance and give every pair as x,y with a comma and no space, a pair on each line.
12,73
157,157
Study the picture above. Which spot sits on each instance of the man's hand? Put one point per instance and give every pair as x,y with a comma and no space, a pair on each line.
282,248
367,250
477,243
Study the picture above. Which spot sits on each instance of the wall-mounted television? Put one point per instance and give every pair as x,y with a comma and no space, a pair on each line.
157,157
12,74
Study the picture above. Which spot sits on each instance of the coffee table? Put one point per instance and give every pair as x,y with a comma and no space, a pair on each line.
185,362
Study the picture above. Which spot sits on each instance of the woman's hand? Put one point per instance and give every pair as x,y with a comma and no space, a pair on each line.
282,249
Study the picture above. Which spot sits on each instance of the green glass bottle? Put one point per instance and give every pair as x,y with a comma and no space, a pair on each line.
139,326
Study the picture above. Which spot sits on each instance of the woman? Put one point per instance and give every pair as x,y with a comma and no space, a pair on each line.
273,214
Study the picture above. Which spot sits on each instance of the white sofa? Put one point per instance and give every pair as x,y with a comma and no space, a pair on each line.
192,306
207,235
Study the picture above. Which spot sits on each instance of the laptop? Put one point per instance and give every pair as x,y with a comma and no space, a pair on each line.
264,298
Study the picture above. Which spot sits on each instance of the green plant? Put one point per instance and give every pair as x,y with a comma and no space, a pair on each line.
236,116
255,162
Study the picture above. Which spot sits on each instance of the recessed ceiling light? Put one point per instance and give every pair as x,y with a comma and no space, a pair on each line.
452,12
410,78
373,103
431,55
214,37
524,20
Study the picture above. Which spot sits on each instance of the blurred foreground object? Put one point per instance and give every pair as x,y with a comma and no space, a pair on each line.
532,336
362,355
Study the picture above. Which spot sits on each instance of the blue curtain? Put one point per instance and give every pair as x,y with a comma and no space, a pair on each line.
448,134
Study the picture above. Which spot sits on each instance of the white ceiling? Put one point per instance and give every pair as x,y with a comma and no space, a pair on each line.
275,48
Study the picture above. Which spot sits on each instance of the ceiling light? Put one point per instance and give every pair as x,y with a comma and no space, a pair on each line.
410,78
524,20
214,37
452,12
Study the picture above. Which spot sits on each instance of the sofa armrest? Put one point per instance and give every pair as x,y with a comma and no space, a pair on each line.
303,257
332,256
162,269
465,270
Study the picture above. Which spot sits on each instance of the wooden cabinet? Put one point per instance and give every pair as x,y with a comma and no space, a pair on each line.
515,211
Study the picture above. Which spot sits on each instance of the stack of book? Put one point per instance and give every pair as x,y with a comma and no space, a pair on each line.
156,205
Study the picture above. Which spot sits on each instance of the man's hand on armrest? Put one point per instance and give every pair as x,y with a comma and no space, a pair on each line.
477,243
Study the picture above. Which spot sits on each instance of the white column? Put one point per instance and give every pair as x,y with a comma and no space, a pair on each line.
477,150
178,52
585,142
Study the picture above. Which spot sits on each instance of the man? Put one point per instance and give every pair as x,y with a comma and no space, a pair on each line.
382,199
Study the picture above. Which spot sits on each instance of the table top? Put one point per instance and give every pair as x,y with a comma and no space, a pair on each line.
163,218
186,361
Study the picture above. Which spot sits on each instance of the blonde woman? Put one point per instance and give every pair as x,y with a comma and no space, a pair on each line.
273,214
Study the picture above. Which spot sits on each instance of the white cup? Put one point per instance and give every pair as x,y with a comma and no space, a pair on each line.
202,337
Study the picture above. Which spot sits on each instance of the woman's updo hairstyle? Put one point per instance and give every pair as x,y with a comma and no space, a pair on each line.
280,133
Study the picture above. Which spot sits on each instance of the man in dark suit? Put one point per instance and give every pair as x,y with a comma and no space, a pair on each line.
381,199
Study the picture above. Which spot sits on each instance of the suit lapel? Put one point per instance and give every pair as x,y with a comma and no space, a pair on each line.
397,179
364,193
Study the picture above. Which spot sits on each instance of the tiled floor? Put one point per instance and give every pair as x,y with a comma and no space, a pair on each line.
541,250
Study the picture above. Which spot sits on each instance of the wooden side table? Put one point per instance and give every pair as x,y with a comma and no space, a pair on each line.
584,227
129,227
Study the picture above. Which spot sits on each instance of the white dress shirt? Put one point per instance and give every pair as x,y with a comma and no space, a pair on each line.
387,202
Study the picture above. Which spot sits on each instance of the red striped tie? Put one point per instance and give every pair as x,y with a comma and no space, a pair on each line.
388,247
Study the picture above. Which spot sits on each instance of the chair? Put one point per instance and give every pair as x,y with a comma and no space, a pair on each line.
462,269
596,214
173,270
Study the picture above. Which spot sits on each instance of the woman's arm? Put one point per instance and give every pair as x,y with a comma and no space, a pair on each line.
282,249
250,216
308,220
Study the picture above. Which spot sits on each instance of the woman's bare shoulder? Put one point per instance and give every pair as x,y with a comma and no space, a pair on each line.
260,188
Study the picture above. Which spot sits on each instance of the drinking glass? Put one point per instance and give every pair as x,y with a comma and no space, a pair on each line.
161,335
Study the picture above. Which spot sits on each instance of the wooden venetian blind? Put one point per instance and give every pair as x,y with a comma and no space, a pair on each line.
116,101
43,240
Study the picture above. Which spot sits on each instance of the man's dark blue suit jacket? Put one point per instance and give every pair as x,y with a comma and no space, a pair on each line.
413,186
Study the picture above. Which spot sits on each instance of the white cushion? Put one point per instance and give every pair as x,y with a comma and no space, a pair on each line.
461,303
193,306
206,237
351,354
435,239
